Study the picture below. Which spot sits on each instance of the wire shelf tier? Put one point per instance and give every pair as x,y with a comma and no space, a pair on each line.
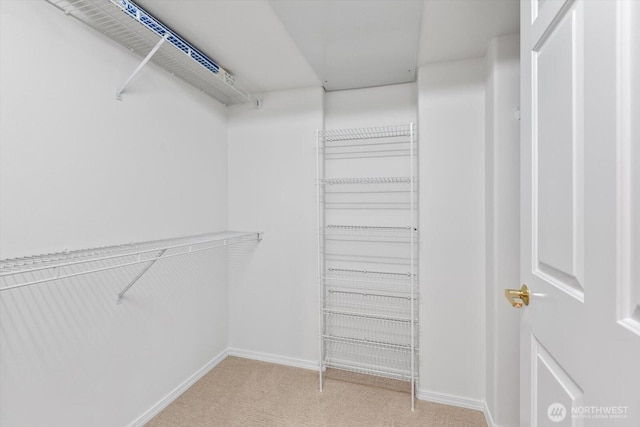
368,343
368,305
368,180
342,259
371,234
369,135
394,360
368,370
368,284
131,26
28,271
347,354
365,289
351,206
390,141
350,354
365,315
369,329
372,230
371,274
363,282
368,193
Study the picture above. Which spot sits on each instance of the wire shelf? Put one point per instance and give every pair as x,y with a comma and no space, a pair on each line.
391,141
375,283
369,329
368,180
368,305
367,134
367,230
370,193
126,23
365,315
28,271
368,343
368,370
371,274
369,234
365,293
381,359
365,290
388,359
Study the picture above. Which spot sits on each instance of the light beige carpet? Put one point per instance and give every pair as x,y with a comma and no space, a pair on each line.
242,392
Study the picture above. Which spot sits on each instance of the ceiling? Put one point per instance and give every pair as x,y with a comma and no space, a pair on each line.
342,44
245,37
352,44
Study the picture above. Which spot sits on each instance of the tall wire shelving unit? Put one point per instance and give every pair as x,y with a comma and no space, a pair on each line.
368,252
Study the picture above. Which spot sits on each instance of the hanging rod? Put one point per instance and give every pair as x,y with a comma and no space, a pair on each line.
64,265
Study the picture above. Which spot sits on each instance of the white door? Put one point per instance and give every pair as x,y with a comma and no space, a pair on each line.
580,253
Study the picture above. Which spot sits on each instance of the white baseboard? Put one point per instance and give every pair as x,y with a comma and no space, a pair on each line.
487,416
452,400
274,358
173,395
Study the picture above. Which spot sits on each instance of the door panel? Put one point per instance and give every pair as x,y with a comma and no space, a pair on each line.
556,393
629,166
539,5
558,154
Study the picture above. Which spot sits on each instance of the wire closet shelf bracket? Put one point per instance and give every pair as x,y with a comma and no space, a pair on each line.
368,252
35,270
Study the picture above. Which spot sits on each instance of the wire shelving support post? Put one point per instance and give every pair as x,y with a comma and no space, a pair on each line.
412,258
320,189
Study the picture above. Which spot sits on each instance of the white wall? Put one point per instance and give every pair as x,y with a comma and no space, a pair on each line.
272,170
452,313
370,107
502,183
80,169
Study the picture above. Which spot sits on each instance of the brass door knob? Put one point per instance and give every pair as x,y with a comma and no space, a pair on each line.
522,294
